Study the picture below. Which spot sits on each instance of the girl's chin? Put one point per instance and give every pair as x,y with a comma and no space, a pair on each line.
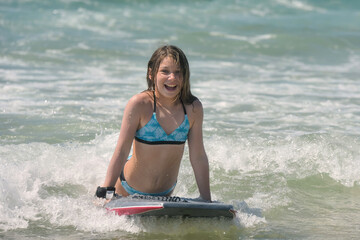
172,93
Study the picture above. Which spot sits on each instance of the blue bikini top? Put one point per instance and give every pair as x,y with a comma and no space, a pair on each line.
153,133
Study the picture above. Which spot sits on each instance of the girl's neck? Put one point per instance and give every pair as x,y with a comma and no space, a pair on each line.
166,102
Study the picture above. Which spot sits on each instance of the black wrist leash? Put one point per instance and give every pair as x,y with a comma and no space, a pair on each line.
105,192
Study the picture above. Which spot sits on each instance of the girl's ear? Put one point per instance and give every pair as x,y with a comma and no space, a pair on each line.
149,73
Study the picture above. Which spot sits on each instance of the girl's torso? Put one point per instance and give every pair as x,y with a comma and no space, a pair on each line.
158,146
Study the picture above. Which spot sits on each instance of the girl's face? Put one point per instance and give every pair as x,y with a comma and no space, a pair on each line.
169,80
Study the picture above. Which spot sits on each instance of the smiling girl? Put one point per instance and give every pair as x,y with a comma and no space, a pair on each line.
157,123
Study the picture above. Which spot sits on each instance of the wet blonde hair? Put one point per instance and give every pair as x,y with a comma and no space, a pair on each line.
179,57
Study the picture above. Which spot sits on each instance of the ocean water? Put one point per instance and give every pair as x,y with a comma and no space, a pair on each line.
279,82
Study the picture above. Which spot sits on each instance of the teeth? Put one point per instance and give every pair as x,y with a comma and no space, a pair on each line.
171,85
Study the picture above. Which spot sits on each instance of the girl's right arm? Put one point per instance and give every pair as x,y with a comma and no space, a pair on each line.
129,125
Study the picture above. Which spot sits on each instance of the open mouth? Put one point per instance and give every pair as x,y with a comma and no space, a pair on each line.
170,87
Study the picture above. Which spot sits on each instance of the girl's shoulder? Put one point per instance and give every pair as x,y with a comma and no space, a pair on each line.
194,107
194,111
141,100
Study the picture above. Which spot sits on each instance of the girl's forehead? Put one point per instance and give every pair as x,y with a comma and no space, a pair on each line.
169,61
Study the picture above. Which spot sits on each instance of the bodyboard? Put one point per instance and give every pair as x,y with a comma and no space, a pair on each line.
139,205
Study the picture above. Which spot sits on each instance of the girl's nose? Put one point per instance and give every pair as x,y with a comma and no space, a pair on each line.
172,75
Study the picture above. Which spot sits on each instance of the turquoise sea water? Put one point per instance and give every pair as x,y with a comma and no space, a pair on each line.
279,82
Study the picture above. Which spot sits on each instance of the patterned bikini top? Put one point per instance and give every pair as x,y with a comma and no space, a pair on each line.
153,133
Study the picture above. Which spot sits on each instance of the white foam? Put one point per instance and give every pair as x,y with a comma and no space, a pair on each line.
296,156
28,169
300,5
84,19
252,40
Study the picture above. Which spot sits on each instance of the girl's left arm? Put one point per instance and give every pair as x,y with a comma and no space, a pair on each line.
198,158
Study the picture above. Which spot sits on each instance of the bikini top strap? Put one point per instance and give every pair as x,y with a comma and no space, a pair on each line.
183,106
154,102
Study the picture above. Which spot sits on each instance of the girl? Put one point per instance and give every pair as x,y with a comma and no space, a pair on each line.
157,122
